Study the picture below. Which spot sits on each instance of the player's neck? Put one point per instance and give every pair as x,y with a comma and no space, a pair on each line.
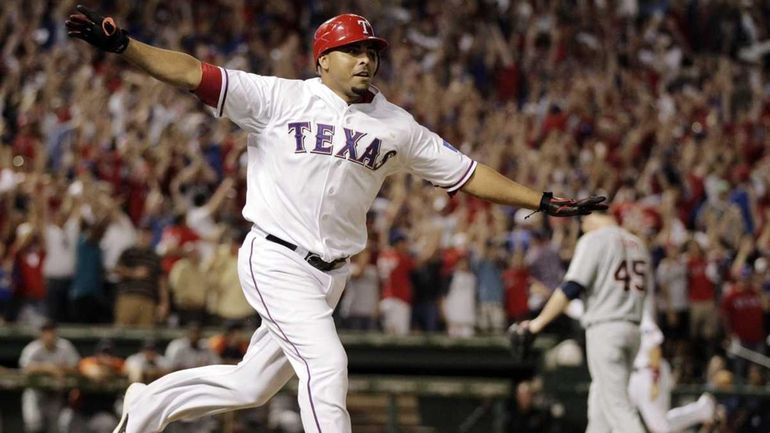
348,98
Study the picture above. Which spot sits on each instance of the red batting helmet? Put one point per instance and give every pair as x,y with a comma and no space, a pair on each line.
342,30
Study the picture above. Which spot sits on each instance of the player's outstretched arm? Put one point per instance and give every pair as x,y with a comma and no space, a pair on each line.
172,67
488,184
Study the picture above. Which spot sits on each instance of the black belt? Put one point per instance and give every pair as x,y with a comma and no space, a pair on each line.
312,258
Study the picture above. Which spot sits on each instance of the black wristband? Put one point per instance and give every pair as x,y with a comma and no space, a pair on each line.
121,42
544,200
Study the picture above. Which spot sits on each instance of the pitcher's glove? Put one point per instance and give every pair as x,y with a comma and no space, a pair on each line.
563,207
522,340
99,31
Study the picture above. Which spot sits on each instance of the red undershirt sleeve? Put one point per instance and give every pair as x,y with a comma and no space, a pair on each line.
210,87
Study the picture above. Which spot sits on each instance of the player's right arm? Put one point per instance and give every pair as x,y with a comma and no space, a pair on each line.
580,275
246,99
172,67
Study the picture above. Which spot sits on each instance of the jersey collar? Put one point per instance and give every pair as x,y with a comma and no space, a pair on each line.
324,92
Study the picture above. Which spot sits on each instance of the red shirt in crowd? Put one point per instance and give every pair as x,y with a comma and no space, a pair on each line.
29,264
516,282
179,236
745,315
396,273
700,287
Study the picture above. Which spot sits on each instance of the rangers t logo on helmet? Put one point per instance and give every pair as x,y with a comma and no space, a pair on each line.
343,30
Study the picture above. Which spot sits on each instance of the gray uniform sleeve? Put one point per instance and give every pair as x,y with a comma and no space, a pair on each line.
582,268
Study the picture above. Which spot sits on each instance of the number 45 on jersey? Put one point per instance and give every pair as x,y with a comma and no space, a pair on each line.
632,273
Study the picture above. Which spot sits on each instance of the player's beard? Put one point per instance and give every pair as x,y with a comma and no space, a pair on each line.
360,90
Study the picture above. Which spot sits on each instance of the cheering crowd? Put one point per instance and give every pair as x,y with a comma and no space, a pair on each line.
120,198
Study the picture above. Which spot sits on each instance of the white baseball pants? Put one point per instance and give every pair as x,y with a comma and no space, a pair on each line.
297,336
611,348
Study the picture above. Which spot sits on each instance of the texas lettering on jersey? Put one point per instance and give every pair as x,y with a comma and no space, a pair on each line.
367,155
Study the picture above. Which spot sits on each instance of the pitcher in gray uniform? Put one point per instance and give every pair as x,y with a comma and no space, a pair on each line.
611,270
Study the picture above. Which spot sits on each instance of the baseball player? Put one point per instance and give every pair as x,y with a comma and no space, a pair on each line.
611,270
649,388
318,152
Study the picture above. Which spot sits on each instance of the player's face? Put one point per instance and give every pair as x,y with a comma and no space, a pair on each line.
348,70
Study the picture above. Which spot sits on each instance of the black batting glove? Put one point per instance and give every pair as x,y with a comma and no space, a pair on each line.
99,31
562,207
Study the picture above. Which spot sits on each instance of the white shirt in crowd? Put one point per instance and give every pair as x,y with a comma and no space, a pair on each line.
61,246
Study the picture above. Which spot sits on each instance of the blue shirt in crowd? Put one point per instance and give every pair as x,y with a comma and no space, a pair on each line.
89,271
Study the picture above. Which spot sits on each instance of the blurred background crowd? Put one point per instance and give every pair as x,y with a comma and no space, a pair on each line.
120,197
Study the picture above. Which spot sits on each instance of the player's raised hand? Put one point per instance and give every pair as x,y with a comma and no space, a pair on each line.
563,207
97,30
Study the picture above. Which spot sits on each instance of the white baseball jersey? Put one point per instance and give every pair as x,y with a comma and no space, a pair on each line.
651,337
315,163
615,269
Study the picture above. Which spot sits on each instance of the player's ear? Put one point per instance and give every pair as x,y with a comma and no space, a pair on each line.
323,62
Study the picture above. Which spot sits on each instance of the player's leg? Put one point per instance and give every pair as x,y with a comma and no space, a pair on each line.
597,423
612,347
196,392
297,302
651,407
690,415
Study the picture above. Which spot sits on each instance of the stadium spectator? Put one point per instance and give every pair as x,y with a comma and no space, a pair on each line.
91,410
359,304
428,286
6,286
702,275
173,241
487,263
119,235
516,280
227,302
142,294
230,345
52,356
147,364
61,232
87,293
29,256
743,314
395,266
191,350
201,218
188,284
545,265
459,305
671,280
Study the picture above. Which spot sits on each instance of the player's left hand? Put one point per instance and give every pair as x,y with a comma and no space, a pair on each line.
521,338
99,31
564,207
